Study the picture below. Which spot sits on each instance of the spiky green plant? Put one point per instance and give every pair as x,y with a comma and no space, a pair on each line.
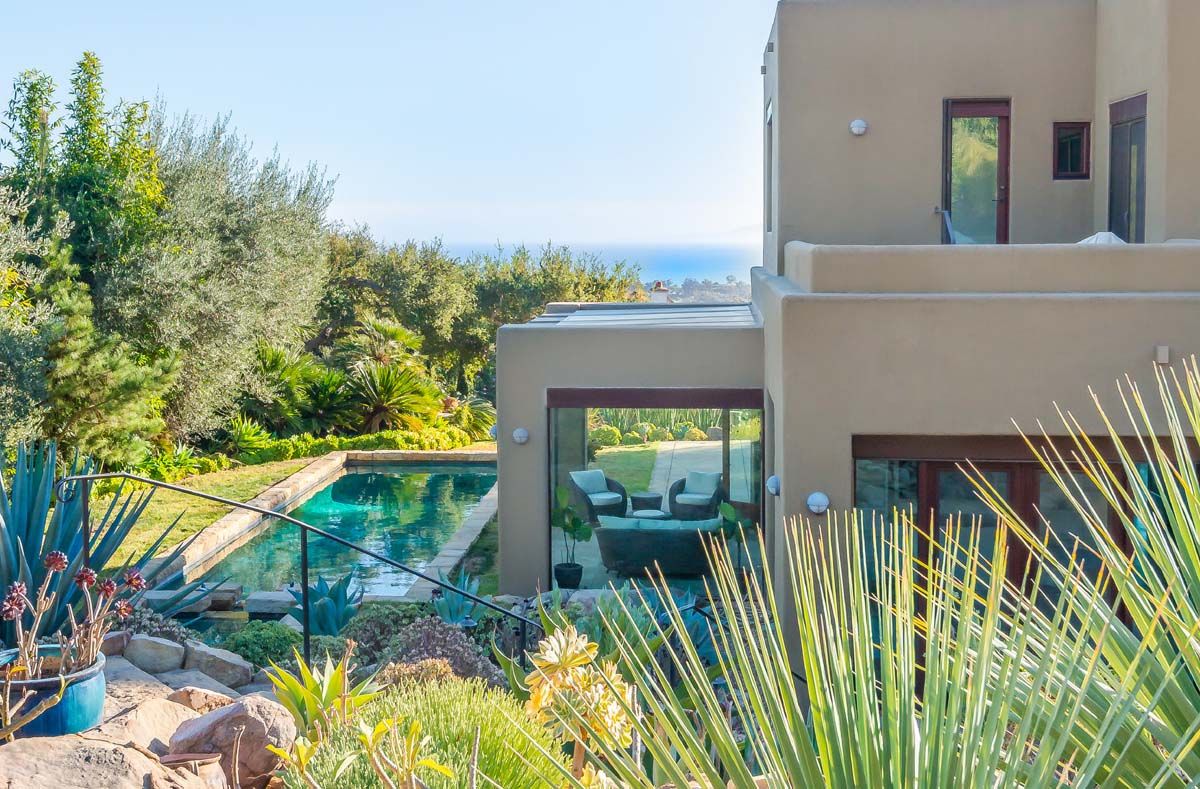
321,699
1150,483
455,608
278,395
393,397
918,672
474,415
381,342
331,606
244,435
34,522
329,404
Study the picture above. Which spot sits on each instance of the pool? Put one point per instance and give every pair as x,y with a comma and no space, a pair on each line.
404,512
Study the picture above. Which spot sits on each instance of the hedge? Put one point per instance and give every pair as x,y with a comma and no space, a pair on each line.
440,438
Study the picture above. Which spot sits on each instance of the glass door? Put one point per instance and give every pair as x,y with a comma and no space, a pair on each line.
976,171
1127,170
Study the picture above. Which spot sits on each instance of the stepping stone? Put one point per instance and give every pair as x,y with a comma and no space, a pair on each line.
128,686
191,678
273,603
222,665
154,655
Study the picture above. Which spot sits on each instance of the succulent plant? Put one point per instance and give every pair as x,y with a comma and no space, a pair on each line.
455,608
332,606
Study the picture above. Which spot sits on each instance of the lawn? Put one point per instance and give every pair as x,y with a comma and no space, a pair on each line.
240,484
631,466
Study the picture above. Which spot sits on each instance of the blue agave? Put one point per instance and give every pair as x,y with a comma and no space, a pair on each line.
455,608
331,606
33,523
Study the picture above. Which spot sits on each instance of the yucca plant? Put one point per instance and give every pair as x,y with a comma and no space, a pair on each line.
33,523
1154,491
919,671
393,397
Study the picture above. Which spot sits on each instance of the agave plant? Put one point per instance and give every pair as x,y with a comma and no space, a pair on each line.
1153,490
455,608
918,671
329,405
393,397
320,699
244,435
34,523
331,607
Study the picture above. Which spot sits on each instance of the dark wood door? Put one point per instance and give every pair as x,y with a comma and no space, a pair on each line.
1127,170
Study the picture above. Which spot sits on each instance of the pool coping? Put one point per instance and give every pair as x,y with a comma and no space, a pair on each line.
235,529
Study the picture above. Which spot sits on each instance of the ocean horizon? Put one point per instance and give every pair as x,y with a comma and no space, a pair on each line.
671,262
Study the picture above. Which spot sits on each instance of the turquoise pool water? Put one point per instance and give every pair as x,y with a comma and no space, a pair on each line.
404,512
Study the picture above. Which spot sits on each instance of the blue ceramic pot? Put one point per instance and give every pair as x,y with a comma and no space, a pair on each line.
82,704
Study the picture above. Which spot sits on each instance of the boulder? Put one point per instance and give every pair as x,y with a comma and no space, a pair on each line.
127,686
261,722
201,700
293,623
76,762
271,603
148,725
220,664
190,677
154,655
114,643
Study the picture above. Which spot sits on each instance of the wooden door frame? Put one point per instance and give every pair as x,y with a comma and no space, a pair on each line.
982,108
1126,112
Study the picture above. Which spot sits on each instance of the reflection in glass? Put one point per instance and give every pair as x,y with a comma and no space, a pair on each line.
1073,534
974,165
957,496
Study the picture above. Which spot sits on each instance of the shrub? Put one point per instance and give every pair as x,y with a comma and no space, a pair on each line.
431,670
605,436
440,438
378,623
631,439
695,434
642,429
264,642
512,750
680,429
148,622
430,637
244,436
660,434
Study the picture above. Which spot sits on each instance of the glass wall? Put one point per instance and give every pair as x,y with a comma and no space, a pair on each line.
649,485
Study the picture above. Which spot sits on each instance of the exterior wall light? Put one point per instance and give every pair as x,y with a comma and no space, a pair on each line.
493,432
773,486
858,127
818,502
520,436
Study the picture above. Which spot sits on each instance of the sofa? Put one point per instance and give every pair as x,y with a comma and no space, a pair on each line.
630,547
597,494
697,496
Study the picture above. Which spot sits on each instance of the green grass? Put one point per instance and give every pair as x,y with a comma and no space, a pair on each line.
483,559
631,466
241,484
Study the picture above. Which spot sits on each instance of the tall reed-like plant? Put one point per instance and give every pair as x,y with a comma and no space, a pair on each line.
918,671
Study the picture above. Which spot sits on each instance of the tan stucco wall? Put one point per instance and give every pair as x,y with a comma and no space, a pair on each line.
1032,268
532,358
893,63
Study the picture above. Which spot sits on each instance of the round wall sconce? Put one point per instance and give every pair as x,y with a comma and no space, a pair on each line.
520,436
493,432
818,502
773,486
858,127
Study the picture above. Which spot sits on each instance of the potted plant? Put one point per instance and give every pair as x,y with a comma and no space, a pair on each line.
64,681
569,573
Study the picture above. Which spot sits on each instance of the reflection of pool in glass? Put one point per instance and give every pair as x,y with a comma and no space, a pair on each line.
404,512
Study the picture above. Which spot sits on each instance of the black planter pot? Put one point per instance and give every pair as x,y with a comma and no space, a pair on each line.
568,575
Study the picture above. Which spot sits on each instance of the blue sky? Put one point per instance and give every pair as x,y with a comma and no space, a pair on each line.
620,122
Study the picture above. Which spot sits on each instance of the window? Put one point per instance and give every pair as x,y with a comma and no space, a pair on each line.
1072,151
769,175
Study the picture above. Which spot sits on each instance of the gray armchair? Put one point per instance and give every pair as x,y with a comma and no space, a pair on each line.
587,493
686,506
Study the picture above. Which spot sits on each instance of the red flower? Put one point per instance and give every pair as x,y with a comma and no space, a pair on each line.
134,580
55,561
17,590
12,608
124,609
108,587
85,578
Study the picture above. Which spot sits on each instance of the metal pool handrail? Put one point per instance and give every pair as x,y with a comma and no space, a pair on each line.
85,480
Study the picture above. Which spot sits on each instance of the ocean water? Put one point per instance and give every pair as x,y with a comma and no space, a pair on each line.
666,262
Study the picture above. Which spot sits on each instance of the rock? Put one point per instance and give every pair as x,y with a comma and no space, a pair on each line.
225,596
201,700
220,664
114,643
188,677
261,677
272,603
198,602
76,762
267,691
293,623
127,686
149,725
262,723
714,433
154,655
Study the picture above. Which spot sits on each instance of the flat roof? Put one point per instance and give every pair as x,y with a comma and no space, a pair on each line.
649,316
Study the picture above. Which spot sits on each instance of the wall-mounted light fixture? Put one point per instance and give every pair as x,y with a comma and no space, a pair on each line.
493,431
520,436
773,486
817,502
1162,354
858,127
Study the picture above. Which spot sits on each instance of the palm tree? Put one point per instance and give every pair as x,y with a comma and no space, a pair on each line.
382,342
279,390
329,404
393,397
918,672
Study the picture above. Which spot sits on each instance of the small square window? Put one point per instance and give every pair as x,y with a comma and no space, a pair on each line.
1072,151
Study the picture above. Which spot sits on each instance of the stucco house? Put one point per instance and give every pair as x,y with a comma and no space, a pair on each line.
930,167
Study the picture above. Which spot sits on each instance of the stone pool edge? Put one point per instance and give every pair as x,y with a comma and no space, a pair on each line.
232,531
